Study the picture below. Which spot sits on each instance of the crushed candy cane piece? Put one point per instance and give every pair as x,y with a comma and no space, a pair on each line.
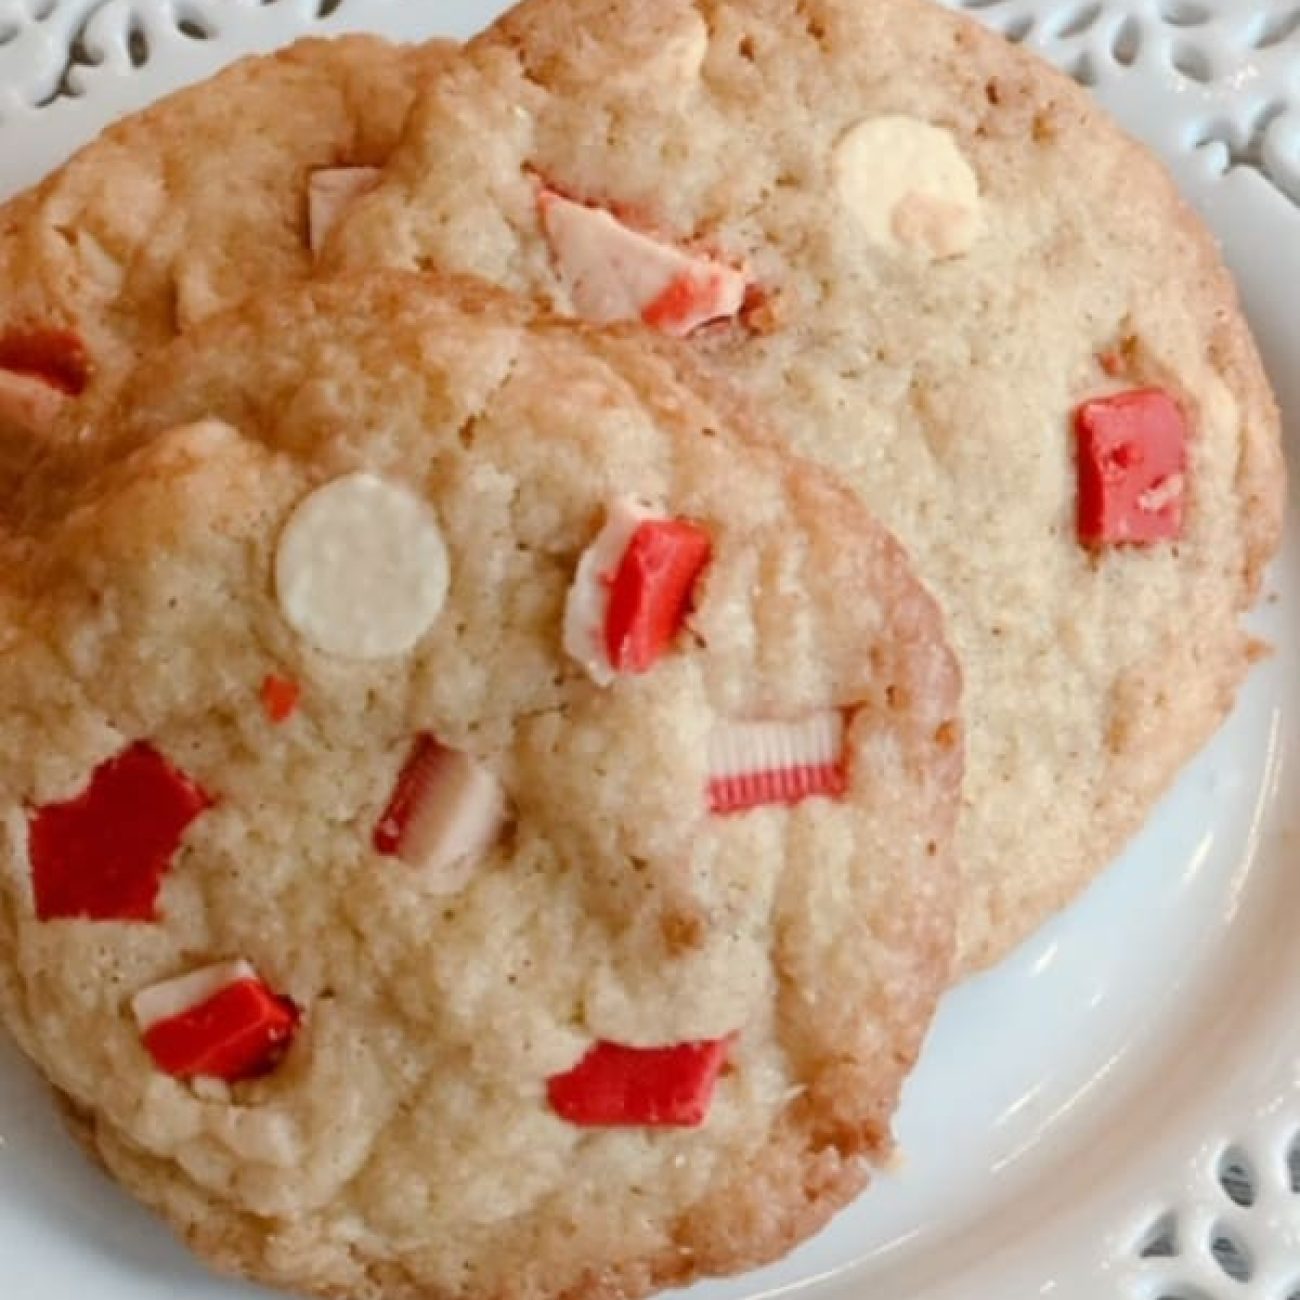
651,591
588,599
446,811
1132,462
614,273
280,698
632,589
361,570
757,763
56,357
103,854
653,1087
329,191
219,1022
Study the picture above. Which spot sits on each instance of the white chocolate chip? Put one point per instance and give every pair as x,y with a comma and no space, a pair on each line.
329,191
174,997
613,273
909,186
588,601
361,570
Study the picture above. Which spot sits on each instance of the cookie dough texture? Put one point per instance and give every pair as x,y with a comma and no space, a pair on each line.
933,355
181,210
405,1147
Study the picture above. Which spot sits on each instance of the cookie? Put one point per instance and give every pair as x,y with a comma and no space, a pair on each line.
477,820
181,210
937,267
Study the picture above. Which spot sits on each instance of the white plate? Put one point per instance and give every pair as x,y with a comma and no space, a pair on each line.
1073,1106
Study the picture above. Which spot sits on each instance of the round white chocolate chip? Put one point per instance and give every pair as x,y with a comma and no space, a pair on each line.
361,570
909,186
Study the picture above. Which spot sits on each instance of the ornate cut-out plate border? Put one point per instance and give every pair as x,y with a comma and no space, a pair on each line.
1116,1111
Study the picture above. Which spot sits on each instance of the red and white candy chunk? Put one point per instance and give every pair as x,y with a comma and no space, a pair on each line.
220,1022
757,763
39,370
1132,450
329,191
444,815
644,1087
632,590
614,273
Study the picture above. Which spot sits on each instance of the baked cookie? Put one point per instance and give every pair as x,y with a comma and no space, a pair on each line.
938,268
476,824
182,209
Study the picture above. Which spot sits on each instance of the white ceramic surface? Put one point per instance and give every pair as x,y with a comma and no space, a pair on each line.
1073,1107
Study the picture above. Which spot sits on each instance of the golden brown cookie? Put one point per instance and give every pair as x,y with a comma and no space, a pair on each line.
937,267
477,820
181,210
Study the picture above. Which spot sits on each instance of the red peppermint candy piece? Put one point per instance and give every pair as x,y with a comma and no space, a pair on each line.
56,357
103,854
221,1022
706,292
1132,450
651,1087
651,591
280,698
